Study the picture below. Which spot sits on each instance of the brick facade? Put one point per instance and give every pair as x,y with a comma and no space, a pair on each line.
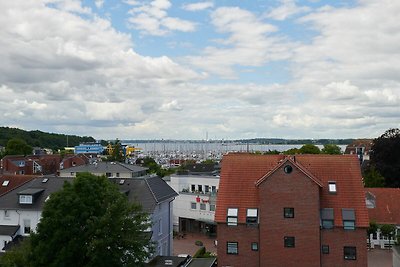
304,190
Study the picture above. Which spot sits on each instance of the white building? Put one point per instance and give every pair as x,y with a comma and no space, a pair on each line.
194,208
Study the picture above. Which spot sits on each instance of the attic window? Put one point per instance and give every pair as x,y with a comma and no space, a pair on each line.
5,183
25,199
232,218
288,169
332,187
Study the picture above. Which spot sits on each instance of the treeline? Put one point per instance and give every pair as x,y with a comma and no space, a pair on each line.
41,139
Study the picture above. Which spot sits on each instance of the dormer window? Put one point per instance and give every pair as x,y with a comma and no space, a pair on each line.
25,199
232,218
28,196
332,187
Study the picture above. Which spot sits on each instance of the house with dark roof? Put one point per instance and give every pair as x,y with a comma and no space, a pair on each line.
303,210
383,208
21,208
10,181
107,168
30,165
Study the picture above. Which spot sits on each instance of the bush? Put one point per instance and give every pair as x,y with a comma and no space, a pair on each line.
199,253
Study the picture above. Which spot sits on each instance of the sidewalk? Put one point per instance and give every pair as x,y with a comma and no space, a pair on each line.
187,245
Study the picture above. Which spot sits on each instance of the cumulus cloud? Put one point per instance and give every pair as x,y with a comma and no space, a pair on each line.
250,42
153,19
198,6
287,9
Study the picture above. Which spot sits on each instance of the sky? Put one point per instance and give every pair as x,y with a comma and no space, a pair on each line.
226,69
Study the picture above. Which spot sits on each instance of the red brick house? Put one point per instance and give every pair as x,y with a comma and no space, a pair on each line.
303,210
30,165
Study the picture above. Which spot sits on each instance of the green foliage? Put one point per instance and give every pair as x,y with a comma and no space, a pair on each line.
292,151
272,152
150,163
118,153
41,139
90,223
387,230
373,227
386,157
18,146
309,149
200,252
331,149
372,178
18,256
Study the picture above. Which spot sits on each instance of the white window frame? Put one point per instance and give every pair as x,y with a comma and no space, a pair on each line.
25,199
251,214
5,183
332,187
232,216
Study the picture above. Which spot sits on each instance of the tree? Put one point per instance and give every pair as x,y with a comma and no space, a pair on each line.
18,146
331,149
386,157
90,223
117,152
18,256
373,227
372,178
309,149
388,230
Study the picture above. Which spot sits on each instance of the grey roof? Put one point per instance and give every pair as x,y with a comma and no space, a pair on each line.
160,189
170,261
10,200
8,230
202,262
106,166
148,191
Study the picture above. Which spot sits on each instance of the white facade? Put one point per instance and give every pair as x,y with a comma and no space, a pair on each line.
26,219
196,200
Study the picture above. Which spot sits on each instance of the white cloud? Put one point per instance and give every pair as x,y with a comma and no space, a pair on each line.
198,6
99,3
249,43
287,9
153,19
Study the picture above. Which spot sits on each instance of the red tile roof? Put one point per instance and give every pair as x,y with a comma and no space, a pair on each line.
241,172
14,181
387,205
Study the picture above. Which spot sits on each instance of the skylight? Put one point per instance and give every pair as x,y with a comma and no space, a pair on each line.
5,183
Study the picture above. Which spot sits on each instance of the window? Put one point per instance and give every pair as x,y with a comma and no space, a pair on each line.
117,174
206,188
213,188
232,219
327,218
350,253
325,249
5,183
27,226
200,187
193,187
289,241
332,187
25,199
288,212
202,206
232,248
288,169
212,207
6,214
348,219
108,174
254,246
193,205
252,216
